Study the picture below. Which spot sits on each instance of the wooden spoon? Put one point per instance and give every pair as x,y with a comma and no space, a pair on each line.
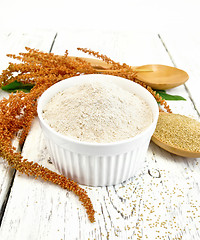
172,148
162,77
159,77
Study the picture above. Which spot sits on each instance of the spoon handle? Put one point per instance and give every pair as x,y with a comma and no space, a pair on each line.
103,67
119,70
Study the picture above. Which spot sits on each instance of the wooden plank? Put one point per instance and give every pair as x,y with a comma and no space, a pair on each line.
132,48
126,45
6,175
14,43
184,50
161,201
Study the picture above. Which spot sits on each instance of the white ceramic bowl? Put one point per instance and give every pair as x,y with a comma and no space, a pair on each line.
97,164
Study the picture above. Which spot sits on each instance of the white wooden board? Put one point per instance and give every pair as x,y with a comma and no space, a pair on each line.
15,42
184,49
160,202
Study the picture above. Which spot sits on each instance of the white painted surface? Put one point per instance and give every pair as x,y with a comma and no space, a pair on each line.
160,202
14,43
6,172
185,53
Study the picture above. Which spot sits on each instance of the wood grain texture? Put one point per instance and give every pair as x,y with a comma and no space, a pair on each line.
184,50
7,173
15,42
159,202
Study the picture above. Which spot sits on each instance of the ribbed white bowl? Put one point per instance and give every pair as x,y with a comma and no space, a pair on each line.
97,164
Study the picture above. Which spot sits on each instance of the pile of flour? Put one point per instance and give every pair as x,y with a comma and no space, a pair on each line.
97,112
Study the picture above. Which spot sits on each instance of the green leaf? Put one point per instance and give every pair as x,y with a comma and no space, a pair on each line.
17,86
169,97
19,90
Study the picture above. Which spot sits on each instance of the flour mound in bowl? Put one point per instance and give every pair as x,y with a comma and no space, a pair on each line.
97,112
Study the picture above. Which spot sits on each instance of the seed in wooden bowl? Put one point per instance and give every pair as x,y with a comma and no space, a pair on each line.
178,134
